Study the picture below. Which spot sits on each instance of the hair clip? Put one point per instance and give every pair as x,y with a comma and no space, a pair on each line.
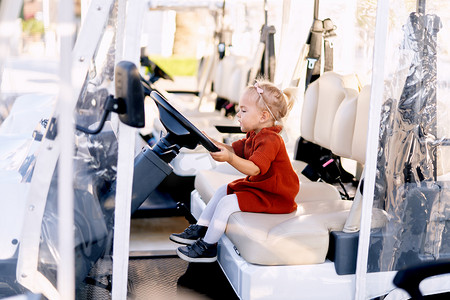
258,89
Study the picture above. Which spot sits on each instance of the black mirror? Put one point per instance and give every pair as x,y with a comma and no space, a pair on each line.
130,94
129,100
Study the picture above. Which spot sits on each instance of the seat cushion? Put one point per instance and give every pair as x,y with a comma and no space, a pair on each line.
297,238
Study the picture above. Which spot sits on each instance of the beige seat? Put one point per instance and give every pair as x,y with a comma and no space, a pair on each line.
379,216
322,99
297,238
231,77
302,237
224,70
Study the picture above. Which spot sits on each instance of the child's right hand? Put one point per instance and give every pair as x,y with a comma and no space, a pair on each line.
219,144
224,155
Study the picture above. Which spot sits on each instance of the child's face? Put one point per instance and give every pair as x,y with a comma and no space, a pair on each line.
249,115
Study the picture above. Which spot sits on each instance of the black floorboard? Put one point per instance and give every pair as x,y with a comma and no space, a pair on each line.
165,277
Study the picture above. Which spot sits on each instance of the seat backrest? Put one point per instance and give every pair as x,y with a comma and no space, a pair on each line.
361,125
336,117
359,154
351,81
341,139
309,109
230,77
222,73
321,101
237,81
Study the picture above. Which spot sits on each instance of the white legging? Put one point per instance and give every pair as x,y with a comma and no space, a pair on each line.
216,214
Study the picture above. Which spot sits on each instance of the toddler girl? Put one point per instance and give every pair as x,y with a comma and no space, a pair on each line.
271,183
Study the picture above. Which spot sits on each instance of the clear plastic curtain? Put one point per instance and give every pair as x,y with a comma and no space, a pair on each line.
412,166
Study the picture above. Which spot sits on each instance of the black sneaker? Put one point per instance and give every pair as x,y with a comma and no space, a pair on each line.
200,251
189,235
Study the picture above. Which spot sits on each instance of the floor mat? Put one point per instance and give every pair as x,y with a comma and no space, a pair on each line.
150,236
161,278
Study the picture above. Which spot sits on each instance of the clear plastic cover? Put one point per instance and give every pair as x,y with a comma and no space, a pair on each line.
24,121
412,180
95,161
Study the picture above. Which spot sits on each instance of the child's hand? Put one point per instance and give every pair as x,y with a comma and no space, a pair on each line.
224,155
220,145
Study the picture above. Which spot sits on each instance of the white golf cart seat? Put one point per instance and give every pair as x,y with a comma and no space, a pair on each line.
231,77
302,237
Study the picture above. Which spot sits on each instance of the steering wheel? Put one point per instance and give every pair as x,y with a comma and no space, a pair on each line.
182,132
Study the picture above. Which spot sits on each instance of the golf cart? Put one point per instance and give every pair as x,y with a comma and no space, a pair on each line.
329,248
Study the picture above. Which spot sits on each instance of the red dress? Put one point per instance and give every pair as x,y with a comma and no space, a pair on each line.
274,189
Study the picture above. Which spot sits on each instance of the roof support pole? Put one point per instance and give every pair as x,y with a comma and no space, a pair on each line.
127,48
376,100
66,244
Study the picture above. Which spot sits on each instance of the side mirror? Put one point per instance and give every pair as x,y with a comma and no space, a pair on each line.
130,94
128,102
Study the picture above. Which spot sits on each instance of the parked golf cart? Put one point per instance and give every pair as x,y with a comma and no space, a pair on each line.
395,125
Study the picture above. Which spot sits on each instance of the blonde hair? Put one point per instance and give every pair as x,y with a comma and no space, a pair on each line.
277,102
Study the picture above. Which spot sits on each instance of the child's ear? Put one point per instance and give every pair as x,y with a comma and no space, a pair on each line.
264,116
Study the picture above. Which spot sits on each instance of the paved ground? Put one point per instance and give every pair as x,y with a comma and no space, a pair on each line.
27,74
30,74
